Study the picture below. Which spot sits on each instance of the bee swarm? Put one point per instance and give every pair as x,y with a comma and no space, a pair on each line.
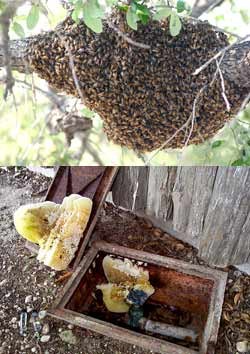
142,95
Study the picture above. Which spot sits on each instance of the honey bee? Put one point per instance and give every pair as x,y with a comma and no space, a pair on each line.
143,96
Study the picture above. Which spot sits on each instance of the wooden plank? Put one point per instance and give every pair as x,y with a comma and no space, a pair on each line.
225,237
191,196
72,283
182,266
115,332
131,187
159,202
99,198
207,207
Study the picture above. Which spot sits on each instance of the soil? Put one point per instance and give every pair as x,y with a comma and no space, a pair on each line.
25,283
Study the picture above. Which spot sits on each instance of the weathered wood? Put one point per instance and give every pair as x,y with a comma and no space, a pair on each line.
207,207
191,197
146,189
160,186
225,238
131,187
196,281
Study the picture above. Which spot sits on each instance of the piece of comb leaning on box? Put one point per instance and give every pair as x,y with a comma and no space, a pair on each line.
58,229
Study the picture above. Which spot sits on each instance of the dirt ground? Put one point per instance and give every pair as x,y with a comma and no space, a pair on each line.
24,283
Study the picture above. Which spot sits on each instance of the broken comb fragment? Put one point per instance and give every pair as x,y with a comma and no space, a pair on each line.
56,228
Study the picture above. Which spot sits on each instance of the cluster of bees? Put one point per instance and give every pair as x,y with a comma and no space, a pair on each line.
142,95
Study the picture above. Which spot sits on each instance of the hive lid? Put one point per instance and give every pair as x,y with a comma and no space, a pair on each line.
91,182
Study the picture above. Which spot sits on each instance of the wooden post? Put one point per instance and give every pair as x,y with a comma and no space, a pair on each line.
208,207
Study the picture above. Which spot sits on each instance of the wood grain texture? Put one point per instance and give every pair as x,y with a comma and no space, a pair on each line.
159,195
226,234
208,207
131,187
191,197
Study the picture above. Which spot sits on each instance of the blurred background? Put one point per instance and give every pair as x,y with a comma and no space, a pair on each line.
30,133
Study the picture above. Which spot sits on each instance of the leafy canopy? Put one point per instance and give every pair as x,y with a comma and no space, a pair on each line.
92,12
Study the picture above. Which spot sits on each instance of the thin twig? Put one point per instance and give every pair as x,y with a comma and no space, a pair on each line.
94,154
71,62
127,38
217,69
244,103
216,56
72,67
223,87
194,113
169,140
185,125
53,98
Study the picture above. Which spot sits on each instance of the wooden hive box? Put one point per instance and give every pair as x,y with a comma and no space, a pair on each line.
193,291
190,289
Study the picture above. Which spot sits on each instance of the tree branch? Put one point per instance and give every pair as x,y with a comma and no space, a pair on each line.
5,20
235,65
17,56
202,6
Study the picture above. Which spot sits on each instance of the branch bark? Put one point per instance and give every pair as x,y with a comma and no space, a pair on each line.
17,56
202,6
5,19
235,65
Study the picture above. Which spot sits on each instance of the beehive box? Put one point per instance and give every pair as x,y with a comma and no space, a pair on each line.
187,292
193,292
91,182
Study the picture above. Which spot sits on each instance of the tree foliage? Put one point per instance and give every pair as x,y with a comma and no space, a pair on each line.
25,130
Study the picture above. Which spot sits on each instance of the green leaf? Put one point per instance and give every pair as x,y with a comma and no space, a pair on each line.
132,18
144,18
18,29
87,113
181,6
217,143
92,15
175,24
93,9
33,17
245,16
95,24
123,7
162,14
239,162
78,11
43,9
143,9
